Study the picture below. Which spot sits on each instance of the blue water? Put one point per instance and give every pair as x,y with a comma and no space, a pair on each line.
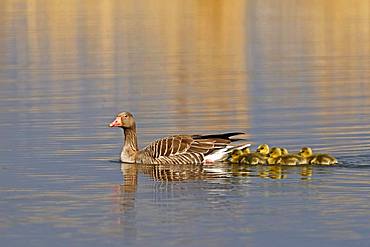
287,73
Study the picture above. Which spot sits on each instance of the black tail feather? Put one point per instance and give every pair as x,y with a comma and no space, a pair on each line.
225,136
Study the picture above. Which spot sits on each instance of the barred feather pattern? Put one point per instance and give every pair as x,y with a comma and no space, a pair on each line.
181,149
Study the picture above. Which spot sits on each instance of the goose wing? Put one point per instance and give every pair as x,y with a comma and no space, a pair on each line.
187,148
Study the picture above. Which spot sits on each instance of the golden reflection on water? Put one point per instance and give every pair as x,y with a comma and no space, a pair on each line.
196,59
313,56
203,57
181,51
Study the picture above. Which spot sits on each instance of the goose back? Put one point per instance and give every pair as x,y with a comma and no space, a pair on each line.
183,149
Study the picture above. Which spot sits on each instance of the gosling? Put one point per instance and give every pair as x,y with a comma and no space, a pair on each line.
253,159
256,158
274,154
317,159
263,149
280,156
284,151
290,160
235,156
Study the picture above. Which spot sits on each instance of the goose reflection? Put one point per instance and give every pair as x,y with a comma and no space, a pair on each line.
173,172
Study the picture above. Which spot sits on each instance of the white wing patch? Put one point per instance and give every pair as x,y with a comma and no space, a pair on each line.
219,154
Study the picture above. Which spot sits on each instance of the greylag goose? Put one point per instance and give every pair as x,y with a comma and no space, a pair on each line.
177,149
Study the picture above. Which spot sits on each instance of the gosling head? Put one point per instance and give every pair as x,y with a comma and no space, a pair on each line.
306,152
234,156
275,152
246,150
263,149
284,151
236,153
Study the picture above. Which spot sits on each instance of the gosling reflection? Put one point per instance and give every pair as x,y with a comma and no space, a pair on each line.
306,172
273,172
283,172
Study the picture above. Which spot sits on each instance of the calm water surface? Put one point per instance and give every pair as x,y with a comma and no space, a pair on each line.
288,73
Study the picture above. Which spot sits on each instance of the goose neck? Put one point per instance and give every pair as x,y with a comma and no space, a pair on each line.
130,139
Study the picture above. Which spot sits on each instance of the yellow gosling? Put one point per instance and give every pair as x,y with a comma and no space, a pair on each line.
257,158
284,151
324,159
290,160
235,156
307,154
246,150
317,159
273,156
263,149
253,159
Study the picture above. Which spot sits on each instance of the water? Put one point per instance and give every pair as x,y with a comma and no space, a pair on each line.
288,73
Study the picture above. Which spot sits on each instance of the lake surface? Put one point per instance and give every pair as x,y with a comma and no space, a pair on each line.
289,73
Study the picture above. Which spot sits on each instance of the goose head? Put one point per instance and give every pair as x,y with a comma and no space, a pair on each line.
123,120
